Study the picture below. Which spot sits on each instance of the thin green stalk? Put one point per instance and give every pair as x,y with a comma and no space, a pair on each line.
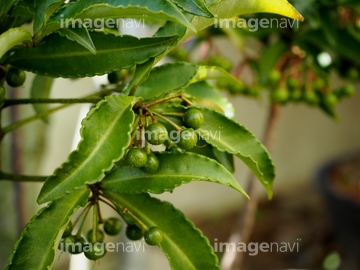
21,178
23,101
178,128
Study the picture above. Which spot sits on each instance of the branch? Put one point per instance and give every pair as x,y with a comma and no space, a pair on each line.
21,178
12,102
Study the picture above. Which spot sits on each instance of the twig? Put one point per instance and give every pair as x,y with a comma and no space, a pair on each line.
246,218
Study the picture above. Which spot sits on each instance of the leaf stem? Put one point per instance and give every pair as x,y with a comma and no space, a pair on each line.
178,128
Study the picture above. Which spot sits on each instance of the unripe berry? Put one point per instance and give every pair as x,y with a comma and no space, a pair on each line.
136,157
156,133
193,118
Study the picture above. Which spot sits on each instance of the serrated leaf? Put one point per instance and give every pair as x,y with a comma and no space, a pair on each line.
105,136
38,243
189,167
183,244
231,8
90,10
40,88
59,57
226,159
172,76
208,96
79,35
196,7
43,10
142,72
236,139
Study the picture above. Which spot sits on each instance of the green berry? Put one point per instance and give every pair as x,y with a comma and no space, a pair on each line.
133,232
79,245
193,118
66,243
15,77
292,83
274,77
136,157
112,226
94,251
311,97
156,133
221,61
348,90
187,139
72,244
330,100
114,77
99,236
67,230
152,164
280,95
154,236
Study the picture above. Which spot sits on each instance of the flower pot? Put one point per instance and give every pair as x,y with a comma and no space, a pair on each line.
339,182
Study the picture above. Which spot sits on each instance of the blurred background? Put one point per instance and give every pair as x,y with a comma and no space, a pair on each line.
306,139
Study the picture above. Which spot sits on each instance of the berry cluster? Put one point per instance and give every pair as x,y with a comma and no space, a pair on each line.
93,245
140,154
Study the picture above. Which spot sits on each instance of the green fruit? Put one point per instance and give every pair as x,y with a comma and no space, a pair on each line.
292,83
68,230
330,100
311,98
188,139
154,236
15,77
72,244
193,118
94,251
280,95
133,232
66,243
136,157
129,219
296,95
152,164
156,133
112,226
348,90
79,245
114,77
274,77
99,236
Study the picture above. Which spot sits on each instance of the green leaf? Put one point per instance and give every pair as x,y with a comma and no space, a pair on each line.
196,7
13,37
208,96
226,159
234,138
88,11
105,136
59,57
172,76
38,243
142,72
232,8
40,88
79,35
43,10
189,167
183,244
